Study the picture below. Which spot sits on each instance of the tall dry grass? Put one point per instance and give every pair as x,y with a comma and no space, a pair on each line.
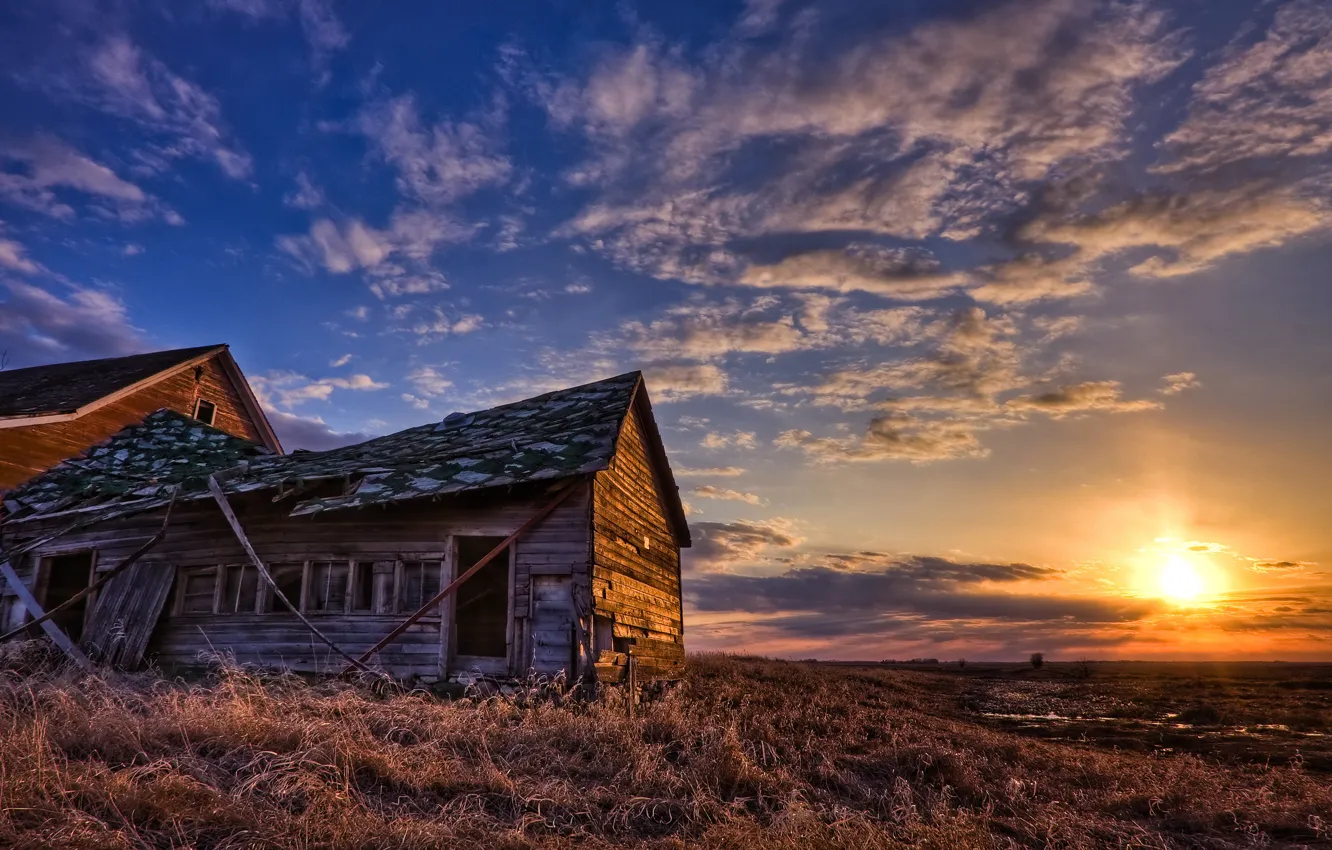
745,753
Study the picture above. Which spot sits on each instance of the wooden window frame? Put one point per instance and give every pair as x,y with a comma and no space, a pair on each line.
182,578
198,408
400,581
385,596
259,585
308,589
42,579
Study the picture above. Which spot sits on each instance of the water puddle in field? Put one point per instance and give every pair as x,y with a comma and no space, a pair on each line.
1084,714
1168,723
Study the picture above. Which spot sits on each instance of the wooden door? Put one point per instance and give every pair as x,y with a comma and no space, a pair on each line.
552,624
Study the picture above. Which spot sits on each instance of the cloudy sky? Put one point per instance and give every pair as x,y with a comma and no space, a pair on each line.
975,328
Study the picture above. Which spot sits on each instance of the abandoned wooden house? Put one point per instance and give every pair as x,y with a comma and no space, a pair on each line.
542,535
51,413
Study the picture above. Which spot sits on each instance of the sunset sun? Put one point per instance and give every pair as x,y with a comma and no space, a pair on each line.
1180,581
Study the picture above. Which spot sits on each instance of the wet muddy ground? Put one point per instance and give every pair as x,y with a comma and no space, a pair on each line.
1255,713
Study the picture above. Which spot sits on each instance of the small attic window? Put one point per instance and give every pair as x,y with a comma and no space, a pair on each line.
204,411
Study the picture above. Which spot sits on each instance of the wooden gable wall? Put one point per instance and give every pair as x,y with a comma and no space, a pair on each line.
636,560
30,450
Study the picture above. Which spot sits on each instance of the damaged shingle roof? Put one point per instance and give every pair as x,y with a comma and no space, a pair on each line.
66,387
556,435
568,432
140,462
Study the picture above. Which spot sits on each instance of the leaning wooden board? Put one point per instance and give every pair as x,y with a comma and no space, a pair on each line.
122,620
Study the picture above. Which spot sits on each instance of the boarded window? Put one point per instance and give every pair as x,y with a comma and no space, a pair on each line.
420,582
238,592
383,573
328,586
204,411
198,587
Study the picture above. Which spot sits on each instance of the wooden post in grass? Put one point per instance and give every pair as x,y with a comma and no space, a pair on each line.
632,676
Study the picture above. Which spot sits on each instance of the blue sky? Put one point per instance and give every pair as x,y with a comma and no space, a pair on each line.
968,323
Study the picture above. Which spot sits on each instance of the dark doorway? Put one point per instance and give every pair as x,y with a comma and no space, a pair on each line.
481,610
67,575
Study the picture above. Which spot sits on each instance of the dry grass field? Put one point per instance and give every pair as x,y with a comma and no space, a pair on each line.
744,753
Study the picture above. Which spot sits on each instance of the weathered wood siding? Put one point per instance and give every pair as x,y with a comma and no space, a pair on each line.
199,537
127,607
28,451
636,561
559,546
553,624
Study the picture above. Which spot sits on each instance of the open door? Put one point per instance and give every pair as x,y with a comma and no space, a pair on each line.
481,608
65,576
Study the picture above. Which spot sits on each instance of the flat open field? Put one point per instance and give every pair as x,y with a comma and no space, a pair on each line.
1245,712
744,753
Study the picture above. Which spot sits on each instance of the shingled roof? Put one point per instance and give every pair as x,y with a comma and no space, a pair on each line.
135,467
67,387
556,435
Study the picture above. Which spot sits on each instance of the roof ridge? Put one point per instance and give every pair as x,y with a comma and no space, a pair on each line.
547,437
548,393
196,349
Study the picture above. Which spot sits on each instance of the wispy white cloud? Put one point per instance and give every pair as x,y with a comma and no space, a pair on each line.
186,120
437,164
352,247
974,377
1265,100
44,174
356,246
1085,397
1179,382
433,322
884,138
669,382
39,324
13,256
729,440
286,389
895,273
306,195
709,491
429,381
310,432
324,31
892,437
1187,232
708,472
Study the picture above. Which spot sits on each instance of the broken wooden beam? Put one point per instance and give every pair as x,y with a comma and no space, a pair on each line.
221,499
471,571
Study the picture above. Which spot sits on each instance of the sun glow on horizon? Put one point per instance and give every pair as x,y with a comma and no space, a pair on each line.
1180,581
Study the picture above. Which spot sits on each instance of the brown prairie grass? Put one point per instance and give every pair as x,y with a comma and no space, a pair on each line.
744,753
